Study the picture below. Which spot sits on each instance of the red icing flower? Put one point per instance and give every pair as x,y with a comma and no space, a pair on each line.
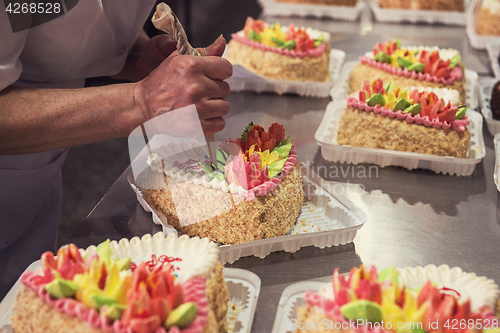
67,264
434,65
302,40
433,107
361,284
150,298
387,47
255,25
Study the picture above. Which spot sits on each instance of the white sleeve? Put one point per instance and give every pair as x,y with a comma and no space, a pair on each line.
11,47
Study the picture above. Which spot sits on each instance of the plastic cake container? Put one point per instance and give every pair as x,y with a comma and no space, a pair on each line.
341,89
477,41
331,151
291,299
414,16
326,219
243,287
347,13
485,89
494,54
245,80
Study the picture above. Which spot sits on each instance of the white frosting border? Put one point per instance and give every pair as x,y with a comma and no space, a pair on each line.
199,255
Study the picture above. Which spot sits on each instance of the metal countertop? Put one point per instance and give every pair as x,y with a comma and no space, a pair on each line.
415,218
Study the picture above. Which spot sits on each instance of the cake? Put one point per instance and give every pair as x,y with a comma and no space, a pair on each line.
488,17
495,101
411,66
153,284
254,191
414,120
442,5
283,53
350,3
419,299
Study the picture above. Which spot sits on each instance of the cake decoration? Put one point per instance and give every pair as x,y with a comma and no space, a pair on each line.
422,299
283,53
417,63
253,192
119,294
415,119
411,66
422,107
291,41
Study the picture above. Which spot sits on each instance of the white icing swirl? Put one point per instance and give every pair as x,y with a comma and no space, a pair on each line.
198,256
492,5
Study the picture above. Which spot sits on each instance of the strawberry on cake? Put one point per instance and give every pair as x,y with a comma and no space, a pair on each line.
283,53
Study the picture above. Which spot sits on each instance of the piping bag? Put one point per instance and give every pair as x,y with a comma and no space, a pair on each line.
165,20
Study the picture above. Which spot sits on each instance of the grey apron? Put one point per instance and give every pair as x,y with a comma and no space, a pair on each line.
30,208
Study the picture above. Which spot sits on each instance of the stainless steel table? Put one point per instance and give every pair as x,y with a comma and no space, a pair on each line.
414,217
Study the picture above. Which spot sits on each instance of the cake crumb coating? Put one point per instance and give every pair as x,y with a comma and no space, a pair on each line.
359,128
268,216
277,66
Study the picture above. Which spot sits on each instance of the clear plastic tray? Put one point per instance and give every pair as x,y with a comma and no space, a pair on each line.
341,89
496,175
331,151
414,16
326,219
485,89
494,54
272,7
243,287
245,80
477,41
292,298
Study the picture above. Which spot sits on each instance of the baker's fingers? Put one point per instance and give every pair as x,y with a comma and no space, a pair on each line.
217,68
216,49
213,125
158,49
212,108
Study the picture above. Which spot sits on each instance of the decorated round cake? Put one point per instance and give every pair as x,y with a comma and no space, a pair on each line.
151,284
411,66
254,191
283,53
419,299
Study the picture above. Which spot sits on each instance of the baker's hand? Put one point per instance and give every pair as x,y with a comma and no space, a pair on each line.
184,80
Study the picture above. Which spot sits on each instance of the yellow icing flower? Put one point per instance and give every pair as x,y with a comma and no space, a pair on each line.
89,284
269,33
400,53
268,158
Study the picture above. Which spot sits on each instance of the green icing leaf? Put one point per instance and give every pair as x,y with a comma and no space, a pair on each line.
275,168
114,311
103,250
461,112
389,273
454,61
245,131
277,42
212,173
60,288
253,36
284,142
289,45
100,301
319,40
283,150
398,43
222,157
